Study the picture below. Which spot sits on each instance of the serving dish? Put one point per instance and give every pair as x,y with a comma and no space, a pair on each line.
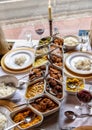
71,42
45,104
56,49
58,41
34,88
24,112
37,72
19,59
56,60
44,41
73,83
55,72
54,88
8,86
79,62
40,50
40,60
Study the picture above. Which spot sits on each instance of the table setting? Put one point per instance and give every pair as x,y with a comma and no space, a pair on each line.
46,84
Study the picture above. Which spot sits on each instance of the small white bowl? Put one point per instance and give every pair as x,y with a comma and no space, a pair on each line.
71,42
72,83
7,81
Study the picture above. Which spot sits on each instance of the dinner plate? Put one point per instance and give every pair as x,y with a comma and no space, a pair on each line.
10,59
74,58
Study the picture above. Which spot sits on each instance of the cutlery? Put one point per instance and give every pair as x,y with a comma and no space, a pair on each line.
71,115
26,120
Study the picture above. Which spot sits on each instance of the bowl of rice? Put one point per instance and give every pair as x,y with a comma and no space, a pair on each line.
3,121
71,42
8,86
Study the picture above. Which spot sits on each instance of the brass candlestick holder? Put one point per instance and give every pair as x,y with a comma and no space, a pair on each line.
50,27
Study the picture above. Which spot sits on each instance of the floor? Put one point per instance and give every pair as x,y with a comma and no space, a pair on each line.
65,27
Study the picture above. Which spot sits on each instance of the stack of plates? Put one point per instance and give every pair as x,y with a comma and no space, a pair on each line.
8,62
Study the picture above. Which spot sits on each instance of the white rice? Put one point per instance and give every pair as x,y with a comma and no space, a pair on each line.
3,121
6,90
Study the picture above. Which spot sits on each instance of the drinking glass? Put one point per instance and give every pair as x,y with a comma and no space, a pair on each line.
84,42
39,28
28,37
84,97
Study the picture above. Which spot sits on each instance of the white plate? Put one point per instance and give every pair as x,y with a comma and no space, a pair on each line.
10,59
74,57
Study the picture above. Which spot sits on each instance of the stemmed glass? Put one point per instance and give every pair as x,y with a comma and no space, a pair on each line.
39,27
84,97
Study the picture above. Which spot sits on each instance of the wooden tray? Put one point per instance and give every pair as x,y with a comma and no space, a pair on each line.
9,105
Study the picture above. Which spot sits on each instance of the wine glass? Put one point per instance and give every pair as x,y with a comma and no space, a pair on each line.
84,97
39,27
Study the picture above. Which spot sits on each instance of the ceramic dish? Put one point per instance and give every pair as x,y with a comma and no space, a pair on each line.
19,59
72,83
40,60
54,88
71,42
55,72
44,41
79,62
37,72
45,104
56,60
8,86
58,41
36,117
34,88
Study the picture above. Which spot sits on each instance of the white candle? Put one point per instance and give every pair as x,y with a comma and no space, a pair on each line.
50,10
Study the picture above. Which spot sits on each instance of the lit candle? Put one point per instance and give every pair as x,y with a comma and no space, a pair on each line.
50,10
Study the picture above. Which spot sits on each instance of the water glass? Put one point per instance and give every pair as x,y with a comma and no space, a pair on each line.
28,36
84,42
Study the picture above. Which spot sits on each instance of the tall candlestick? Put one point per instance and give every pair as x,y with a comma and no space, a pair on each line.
50,10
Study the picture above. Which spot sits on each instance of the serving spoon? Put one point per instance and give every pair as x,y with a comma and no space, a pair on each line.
26,120
71,115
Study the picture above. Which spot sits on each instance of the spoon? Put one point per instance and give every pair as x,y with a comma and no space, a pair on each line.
26,120
71,115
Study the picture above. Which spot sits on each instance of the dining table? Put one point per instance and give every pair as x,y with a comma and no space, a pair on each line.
58,120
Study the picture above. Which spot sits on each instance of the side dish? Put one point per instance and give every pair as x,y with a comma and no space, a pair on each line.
20,60
3,121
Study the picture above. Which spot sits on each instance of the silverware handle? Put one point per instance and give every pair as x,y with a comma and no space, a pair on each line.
14,125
